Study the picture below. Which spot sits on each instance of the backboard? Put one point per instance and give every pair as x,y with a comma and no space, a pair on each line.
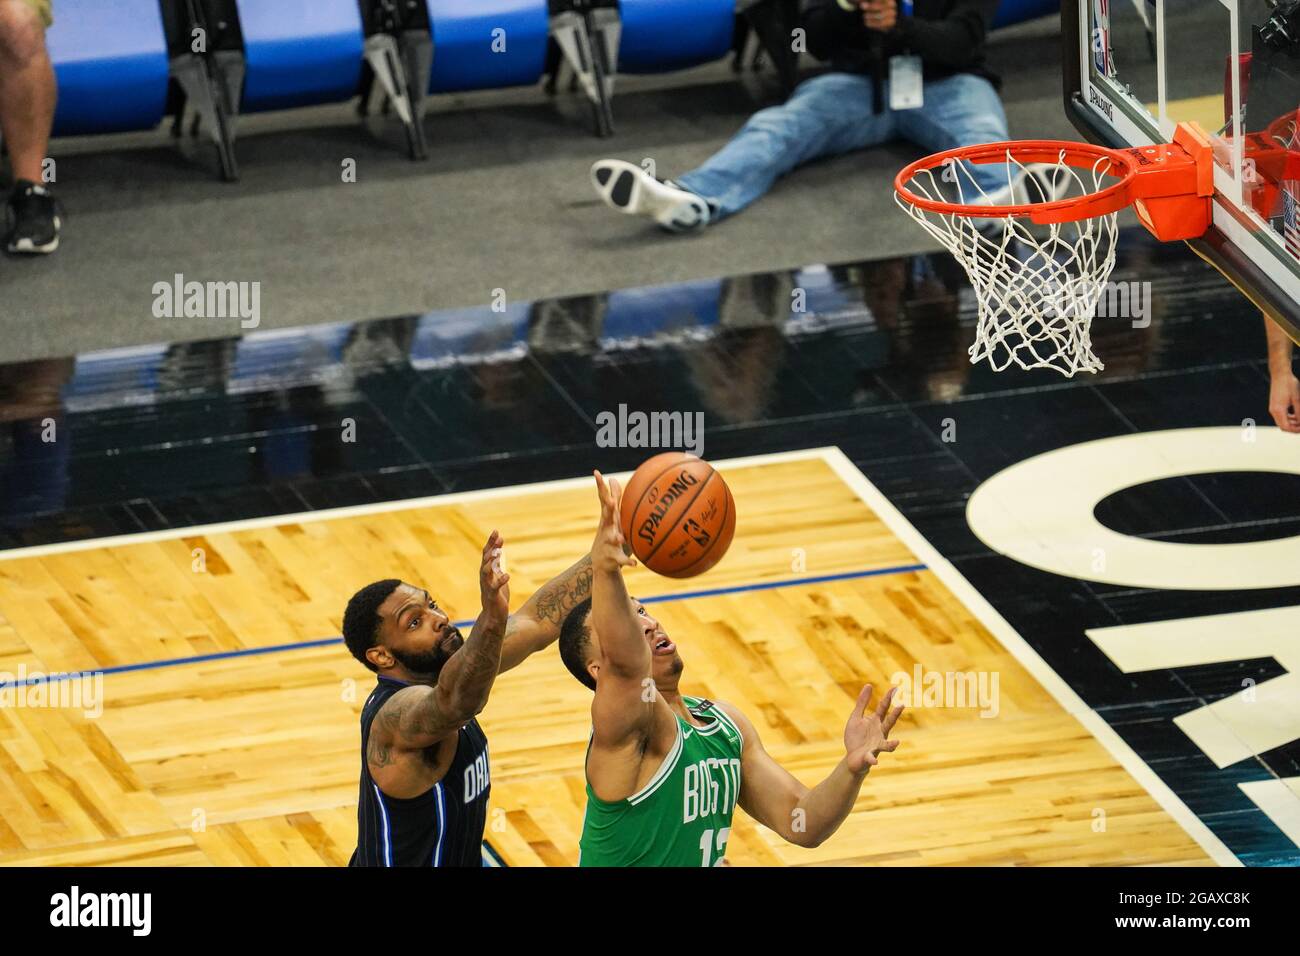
1134,69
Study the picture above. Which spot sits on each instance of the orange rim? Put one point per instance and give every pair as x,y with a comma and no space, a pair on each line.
1275,127
1078,155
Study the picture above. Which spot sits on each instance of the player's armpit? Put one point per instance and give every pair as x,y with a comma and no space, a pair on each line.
624,708
623,752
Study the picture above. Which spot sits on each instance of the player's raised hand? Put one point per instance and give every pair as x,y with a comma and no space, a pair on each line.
609,551
866,735
493,582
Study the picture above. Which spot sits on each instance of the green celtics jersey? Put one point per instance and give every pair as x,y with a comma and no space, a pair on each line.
682,817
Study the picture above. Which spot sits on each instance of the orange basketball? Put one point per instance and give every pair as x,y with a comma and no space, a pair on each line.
678,515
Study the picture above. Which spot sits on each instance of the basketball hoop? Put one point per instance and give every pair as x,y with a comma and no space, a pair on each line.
1038,289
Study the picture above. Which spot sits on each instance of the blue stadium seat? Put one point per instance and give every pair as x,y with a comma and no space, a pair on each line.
300,52
1018,11
464,34
663,35
110,59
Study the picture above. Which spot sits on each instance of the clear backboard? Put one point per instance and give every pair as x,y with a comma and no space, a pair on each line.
1134,69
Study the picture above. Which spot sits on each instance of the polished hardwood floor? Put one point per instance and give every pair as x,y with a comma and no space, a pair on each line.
252,759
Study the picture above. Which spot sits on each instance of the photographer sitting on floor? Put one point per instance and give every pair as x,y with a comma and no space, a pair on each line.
919,76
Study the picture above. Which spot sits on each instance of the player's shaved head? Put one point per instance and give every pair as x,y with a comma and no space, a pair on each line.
575,644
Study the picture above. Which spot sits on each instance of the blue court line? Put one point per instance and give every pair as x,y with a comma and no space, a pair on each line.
173,662
326,641
796,582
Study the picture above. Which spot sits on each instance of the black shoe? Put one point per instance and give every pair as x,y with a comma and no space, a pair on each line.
35,218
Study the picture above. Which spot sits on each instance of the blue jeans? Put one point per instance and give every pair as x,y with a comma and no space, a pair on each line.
831,114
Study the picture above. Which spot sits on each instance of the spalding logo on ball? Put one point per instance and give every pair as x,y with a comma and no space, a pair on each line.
678,515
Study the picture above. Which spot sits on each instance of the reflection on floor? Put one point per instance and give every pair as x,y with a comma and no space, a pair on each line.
868,357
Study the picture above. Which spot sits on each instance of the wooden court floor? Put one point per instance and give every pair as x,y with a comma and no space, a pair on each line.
253,759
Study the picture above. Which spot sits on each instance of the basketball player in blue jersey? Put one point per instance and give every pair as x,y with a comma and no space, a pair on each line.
424,759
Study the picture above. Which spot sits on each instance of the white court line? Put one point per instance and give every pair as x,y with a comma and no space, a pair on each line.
1029,658
1280,800
382,507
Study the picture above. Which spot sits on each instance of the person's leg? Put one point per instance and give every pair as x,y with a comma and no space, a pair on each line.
27,97
961,110
825,116
27,89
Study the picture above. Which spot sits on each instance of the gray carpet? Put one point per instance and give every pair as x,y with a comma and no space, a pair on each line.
502,203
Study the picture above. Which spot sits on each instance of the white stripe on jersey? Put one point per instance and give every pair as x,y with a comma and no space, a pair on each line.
442,825
383,813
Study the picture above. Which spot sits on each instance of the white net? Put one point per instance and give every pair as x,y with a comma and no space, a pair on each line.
1037,286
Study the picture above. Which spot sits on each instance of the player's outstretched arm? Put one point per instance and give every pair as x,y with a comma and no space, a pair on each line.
807,816
536,625
1284,388
419,716
623,709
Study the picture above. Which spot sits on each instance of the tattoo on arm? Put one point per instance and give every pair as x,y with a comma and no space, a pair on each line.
557,597
420,717
379,752
468,677
537,624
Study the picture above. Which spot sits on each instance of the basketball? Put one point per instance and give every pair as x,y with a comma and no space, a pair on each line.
678,515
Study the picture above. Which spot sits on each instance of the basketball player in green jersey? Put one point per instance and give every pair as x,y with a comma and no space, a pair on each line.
665,771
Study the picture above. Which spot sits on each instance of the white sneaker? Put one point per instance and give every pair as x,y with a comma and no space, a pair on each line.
630,189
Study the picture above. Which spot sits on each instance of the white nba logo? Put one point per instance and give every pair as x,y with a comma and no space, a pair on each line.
1101,61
